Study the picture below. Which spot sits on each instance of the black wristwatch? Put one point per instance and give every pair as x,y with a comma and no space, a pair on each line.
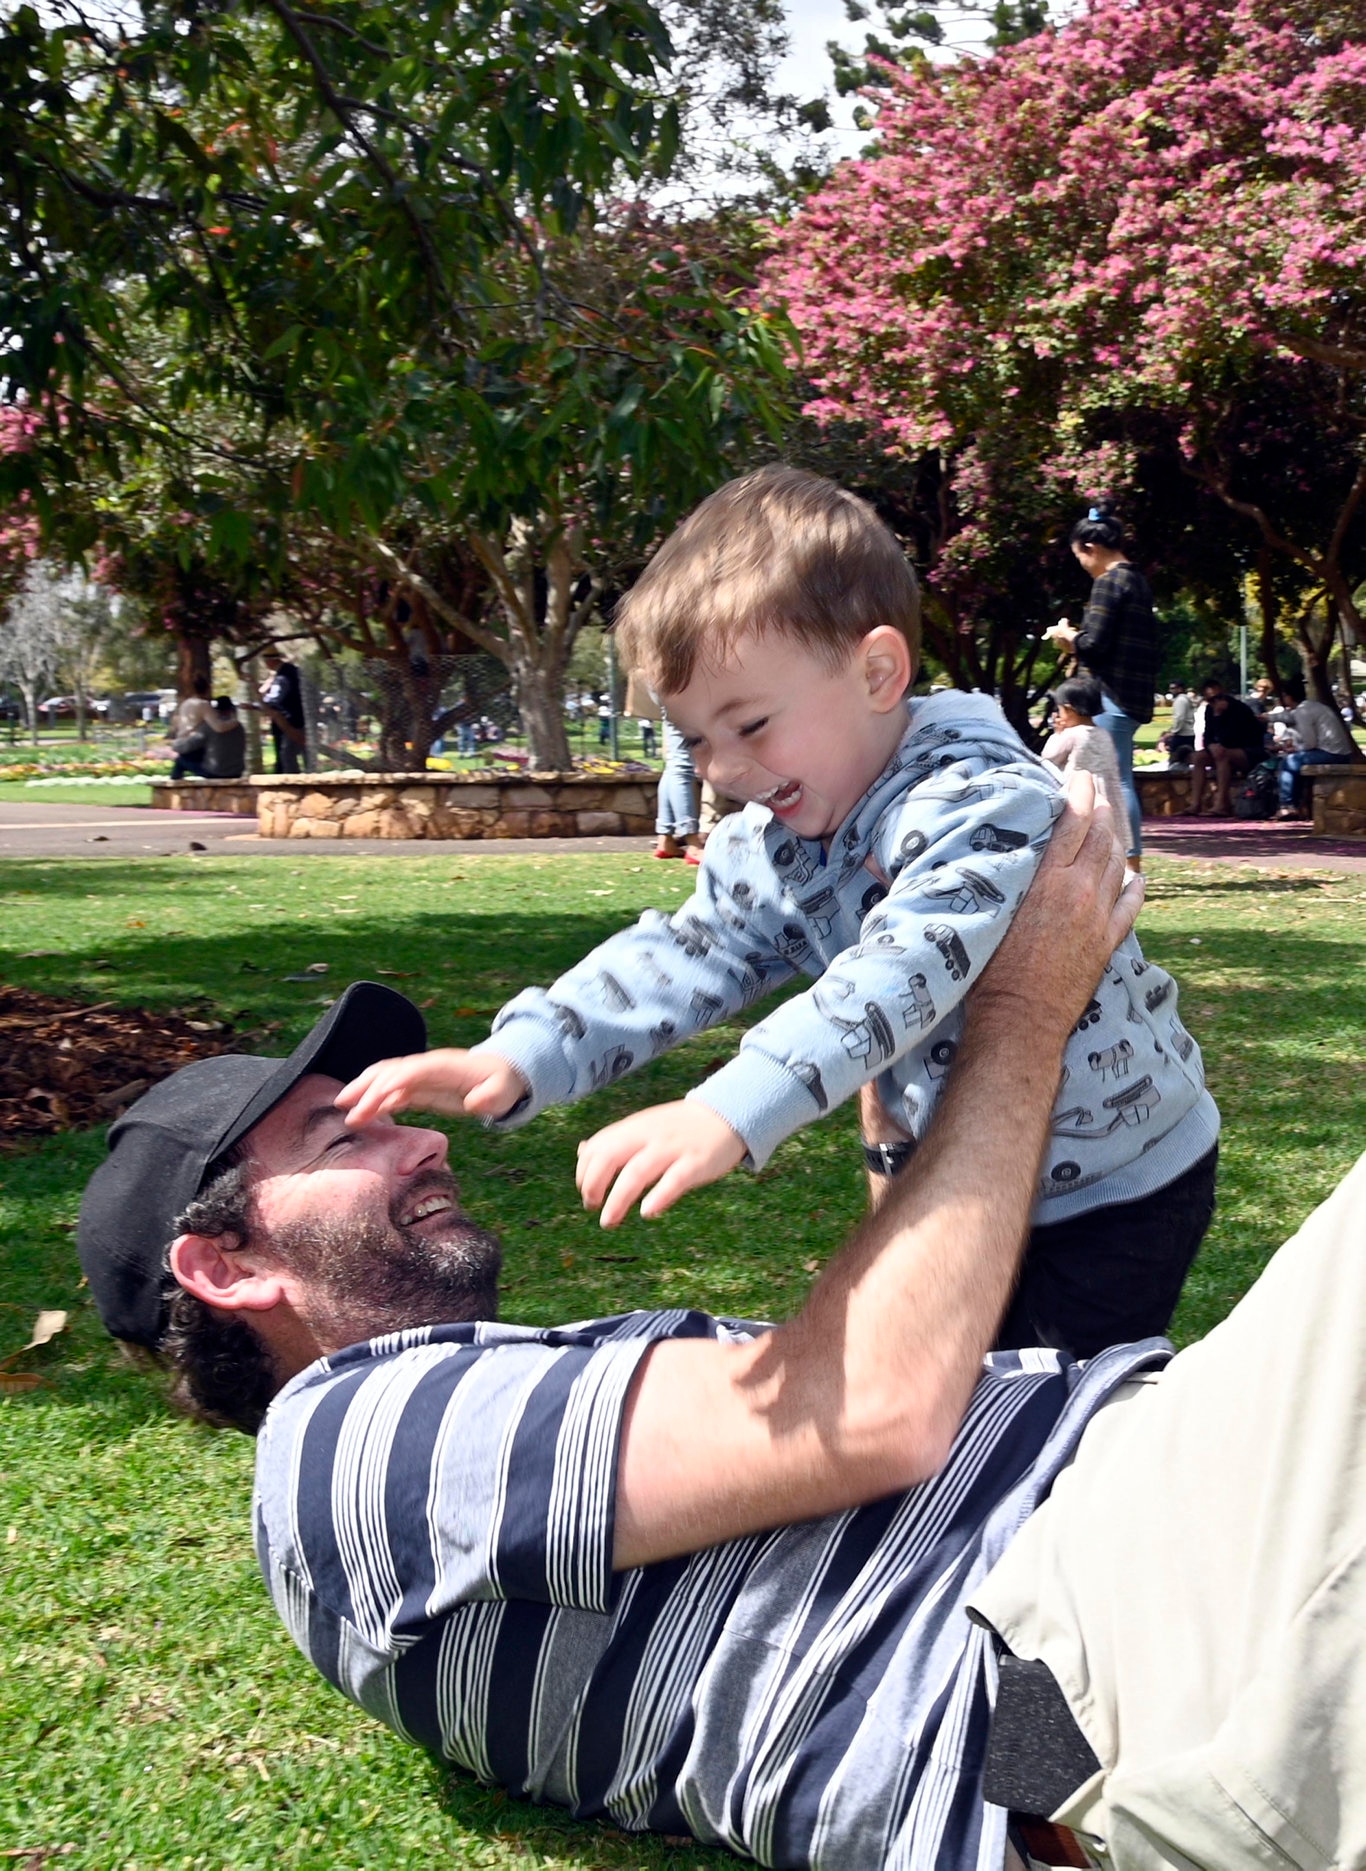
887,1159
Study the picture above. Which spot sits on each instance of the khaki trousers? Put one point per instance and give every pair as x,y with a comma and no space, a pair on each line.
1197,1580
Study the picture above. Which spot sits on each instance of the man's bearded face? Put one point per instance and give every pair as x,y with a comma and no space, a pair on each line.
421,1261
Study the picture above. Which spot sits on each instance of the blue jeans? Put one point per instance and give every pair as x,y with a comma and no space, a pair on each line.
1121,728
676,803
1290,765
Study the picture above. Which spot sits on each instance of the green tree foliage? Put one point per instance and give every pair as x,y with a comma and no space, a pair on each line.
354,282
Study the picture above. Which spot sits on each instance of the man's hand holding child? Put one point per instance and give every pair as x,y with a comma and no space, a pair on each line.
656,1155
447,1080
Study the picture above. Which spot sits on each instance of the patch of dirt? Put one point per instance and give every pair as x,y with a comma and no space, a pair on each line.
67,1066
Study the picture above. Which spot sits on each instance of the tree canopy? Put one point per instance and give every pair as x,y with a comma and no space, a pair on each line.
1129,244
359,294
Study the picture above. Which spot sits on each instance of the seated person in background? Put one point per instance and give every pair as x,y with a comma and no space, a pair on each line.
1076,742
1178,743
216,749
1261,699
1235,740
190,712
886,844
1323,740
833,1594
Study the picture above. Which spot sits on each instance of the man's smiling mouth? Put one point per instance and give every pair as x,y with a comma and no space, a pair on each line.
429,1205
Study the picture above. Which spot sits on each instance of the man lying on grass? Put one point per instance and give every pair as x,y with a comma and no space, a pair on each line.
837,1593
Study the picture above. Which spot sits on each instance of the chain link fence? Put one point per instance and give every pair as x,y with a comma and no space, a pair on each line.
385,717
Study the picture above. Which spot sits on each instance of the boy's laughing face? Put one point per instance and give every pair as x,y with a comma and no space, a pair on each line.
778,724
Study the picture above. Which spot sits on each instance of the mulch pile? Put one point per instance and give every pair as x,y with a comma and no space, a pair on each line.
64,1066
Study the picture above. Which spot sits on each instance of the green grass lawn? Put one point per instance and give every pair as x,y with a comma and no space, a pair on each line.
152,1711
72,793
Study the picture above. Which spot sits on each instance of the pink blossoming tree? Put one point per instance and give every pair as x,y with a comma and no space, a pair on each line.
1149,223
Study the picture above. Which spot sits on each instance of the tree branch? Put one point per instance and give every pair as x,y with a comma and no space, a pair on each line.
487,641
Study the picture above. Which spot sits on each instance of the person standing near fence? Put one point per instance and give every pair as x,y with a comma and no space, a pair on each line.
282,702
1117,644
676,819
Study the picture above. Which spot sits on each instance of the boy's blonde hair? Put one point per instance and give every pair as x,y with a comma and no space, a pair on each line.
777,551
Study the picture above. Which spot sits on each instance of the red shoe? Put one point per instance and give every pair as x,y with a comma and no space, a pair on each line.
662,851
692,857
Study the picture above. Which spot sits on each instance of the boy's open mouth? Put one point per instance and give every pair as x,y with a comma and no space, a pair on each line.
782,798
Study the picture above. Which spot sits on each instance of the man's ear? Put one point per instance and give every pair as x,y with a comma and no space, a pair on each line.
887,666
209,1268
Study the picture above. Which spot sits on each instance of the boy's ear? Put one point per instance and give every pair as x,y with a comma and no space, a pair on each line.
888,667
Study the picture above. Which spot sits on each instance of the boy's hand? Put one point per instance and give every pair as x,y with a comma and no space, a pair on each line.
448,1080
666,1150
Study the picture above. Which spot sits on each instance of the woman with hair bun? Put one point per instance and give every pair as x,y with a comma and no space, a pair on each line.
1117,643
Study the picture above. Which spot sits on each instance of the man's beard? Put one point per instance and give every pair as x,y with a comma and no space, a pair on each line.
368,1275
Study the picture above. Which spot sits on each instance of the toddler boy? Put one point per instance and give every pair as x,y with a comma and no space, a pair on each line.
882,852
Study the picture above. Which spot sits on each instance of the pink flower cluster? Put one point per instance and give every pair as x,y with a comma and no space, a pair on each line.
1104,210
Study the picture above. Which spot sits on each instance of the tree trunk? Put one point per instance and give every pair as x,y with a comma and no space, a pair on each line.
541,706
192,659
1266,604
251,676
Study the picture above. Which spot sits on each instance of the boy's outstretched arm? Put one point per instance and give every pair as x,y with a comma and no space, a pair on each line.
448,1080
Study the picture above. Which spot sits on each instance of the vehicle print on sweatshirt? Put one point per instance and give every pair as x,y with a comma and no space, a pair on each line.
939,1058
1128,1109
917,1004
809,1074
568,1019
1113,1061
613,1064
996,838
954,955
965,893
617,997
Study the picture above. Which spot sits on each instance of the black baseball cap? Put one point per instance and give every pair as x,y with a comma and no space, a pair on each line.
162,1147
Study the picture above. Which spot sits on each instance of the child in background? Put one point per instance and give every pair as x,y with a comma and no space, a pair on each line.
1076,743
885,845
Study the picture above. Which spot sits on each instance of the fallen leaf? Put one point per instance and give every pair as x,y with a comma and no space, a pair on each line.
196,846
45,1328
467,1013
394,974
122,1094
136,922
12,1382
11,1538
429,1002
37,954
811,1266
317,967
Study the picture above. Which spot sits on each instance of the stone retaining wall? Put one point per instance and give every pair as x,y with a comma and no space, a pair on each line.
237,796
1340,802
1163,792
427,805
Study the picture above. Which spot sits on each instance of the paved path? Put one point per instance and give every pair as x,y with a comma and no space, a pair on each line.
48,831
1269,844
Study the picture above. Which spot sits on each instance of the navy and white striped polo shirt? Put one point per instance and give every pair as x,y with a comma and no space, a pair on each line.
434,1518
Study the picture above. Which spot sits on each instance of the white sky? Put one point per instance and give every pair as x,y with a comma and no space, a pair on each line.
806,70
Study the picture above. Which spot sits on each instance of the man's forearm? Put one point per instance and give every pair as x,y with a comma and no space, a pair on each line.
862,1393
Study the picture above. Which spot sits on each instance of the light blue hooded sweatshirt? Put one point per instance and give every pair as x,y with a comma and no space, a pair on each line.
893,923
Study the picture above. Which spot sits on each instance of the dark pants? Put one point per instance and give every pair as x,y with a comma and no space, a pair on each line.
1113,1274
191,764
286,752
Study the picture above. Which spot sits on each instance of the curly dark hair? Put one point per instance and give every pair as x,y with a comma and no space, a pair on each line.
221,1371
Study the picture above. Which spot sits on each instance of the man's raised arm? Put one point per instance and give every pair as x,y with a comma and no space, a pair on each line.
862,1393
